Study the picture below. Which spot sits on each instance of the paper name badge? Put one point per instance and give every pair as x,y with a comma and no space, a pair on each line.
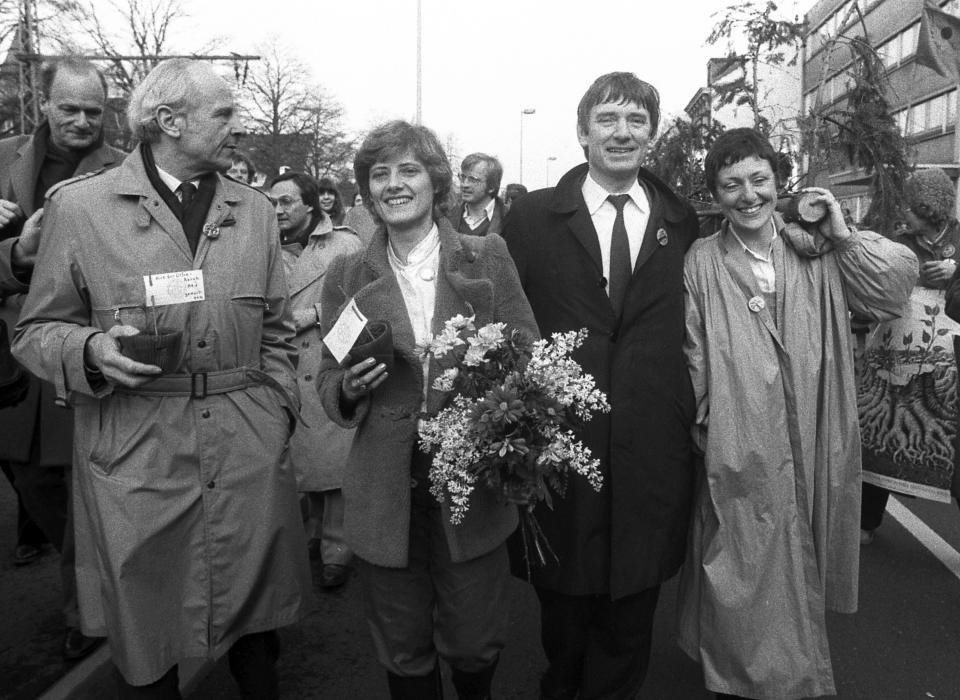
345,331
174,287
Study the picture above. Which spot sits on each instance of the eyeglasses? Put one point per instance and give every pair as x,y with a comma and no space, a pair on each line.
470,180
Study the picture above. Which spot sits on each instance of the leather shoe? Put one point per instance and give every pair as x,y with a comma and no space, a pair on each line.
76,644
334,575
25,554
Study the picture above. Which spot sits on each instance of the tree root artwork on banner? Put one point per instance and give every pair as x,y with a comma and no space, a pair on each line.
907,400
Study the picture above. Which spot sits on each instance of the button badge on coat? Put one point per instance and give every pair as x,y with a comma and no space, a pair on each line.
948,251
756,304
662,236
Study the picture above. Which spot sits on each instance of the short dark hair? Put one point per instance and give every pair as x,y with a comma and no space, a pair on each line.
619,88
239,157
396,138
328,184
733,146
309,192
494,170
514,190
79,66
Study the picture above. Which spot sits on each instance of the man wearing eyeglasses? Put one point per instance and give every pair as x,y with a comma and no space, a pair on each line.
482,211
318,453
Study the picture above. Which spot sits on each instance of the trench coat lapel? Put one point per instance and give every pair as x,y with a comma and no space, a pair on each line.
650,241
132,182
311,267
737,265
221,209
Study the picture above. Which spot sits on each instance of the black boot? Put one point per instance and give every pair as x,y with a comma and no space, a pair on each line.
474,685
428,687
253,665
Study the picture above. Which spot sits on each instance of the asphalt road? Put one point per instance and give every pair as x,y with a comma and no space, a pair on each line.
904,642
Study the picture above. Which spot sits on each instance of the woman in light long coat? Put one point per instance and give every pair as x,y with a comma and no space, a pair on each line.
774,539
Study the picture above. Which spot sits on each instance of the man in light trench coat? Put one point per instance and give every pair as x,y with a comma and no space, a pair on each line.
188,535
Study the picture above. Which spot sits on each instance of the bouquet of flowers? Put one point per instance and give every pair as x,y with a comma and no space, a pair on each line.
509,423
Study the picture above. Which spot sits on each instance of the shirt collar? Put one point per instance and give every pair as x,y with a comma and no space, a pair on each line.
752,253
172,182
594,195
488,209
421,251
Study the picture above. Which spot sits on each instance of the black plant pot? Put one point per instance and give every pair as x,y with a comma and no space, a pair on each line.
375,341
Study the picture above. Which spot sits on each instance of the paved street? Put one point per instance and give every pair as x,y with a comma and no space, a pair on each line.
903,644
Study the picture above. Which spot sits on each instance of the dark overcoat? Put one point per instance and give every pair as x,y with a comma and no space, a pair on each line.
476,276
19,424
631,535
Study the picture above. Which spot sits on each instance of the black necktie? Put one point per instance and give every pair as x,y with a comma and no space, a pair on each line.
187,192
620,267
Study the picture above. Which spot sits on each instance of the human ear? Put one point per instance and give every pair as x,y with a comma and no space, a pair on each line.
167,121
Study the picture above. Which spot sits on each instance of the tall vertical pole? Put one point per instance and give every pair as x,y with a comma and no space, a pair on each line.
527,110
419,118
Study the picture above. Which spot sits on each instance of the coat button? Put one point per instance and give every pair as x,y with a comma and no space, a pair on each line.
413,483
202,344
206,413
306,344
308,377
211,484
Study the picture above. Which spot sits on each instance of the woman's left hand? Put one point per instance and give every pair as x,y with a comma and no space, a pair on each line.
833,227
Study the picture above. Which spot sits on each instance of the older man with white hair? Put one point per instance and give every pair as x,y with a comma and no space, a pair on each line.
158,309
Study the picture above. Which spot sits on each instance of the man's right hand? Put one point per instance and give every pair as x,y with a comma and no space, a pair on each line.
10,212
103,352
24,251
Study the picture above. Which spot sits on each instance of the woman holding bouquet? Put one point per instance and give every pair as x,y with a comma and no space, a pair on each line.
432,589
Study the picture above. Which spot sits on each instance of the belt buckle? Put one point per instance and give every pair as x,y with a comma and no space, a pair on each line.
202,393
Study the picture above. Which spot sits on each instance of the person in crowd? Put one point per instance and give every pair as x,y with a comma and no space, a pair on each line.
158,309
241,168
360,220
36,435
481,211
430,589
933,234
331,201
603,250
318,453
774,537
512,192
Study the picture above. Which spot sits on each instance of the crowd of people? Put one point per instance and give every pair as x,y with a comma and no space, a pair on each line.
214,443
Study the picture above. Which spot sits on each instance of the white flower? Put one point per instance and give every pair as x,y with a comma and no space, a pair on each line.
460,322
445,381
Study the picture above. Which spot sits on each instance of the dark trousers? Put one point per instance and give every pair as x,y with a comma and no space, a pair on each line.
252,660
45,491
28,532
596,648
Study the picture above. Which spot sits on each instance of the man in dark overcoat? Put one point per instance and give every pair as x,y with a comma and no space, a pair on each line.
36,435
603,250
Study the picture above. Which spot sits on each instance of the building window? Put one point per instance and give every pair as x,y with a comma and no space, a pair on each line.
937,113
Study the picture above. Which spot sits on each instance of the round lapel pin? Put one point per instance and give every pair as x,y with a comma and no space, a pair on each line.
948,251
211,231
756,304
662,236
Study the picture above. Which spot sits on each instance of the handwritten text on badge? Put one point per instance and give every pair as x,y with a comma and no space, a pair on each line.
174,287
345,331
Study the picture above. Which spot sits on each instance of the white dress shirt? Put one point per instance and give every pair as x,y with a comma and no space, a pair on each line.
636,214
172,182
474,221
418,285
762,266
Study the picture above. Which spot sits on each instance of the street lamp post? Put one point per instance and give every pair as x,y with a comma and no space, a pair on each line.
526,110
549,158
